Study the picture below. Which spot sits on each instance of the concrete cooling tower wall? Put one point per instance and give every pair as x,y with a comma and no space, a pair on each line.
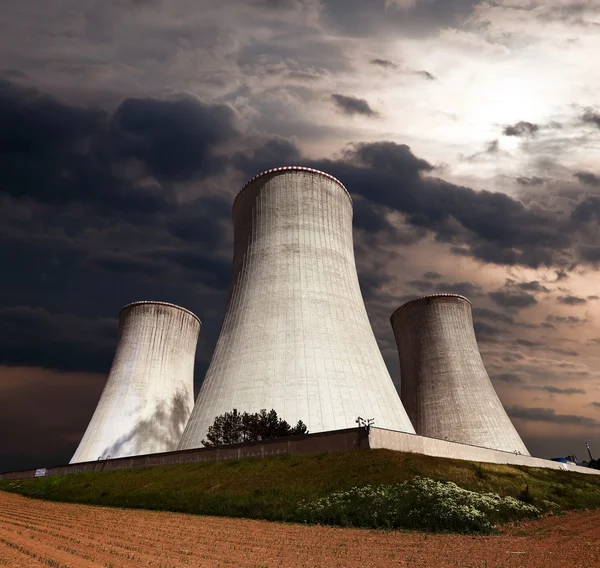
149,394
444,385
296,336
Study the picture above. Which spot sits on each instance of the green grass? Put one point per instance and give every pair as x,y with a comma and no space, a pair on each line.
273,488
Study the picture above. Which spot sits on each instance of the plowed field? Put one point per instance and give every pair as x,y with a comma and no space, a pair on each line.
39,533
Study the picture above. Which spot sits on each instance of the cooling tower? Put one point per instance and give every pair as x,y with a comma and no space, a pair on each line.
149,393
296,336
444,385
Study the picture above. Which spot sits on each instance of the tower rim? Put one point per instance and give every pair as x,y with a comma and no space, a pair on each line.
429,297
293,169
158,303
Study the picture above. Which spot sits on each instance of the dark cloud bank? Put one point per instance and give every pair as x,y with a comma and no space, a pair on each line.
92,218
353,105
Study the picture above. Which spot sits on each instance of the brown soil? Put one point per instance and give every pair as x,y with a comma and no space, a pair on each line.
38,533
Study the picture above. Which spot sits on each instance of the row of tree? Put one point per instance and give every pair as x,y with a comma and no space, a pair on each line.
234,427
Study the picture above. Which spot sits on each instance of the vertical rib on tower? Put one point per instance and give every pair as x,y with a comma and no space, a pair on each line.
149,393
444,385
296,336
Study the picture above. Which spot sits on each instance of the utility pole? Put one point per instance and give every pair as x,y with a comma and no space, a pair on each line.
589,452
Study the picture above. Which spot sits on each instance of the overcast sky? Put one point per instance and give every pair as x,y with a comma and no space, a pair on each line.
468,133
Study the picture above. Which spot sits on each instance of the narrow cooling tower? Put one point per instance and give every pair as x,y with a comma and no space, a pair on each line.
149,393
444,385
296,336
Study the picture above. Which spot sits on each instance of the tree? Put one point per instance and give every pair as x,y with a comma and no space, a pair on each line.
233,427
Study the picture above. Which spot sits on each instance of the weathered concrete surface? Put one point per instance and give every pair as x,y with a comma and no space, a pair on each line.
296,336
402,442
444,385
149,395
340,440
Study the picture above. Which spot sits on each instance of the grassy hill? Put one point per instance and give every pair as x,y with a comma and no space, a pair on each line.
272,488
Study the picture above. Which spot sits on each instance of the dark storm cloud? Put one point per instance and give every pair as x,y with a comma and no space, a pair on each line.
526,325
520,129
530,181
549,415
432,275
353,105
174,138
208,270
371,283
527,343
369,217
590,116
57,153
214,272
544,347
588,177
388,64
573,11
561,274
101,223
586,210
34,337
492,315
359,18
508,378
589,253
571,300
512,299
277,4
124,263
426,75
560,351
492,227
270,154
463,288
569,320
201,222
41,147
491,148
557,390
385,63
486,333
533,286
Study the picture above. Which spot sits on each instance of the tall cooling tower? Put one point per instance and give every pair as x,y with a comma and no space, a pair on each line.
444,385
296,336
149,393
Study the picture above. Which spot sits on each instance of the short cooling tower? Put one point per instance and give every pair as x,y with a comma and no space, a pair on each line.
296,336
444,385
149,393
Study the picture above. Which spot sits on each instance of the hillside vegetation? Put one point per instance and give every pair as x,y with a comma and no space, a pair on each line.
277,488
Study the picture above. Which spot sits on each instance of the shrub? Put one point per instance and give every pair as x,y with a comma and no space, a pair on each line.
234,427
418,504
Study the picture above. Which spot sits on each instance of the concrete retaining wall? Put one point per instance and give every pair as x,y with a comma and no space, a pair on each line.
339,440
336,441
403,442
